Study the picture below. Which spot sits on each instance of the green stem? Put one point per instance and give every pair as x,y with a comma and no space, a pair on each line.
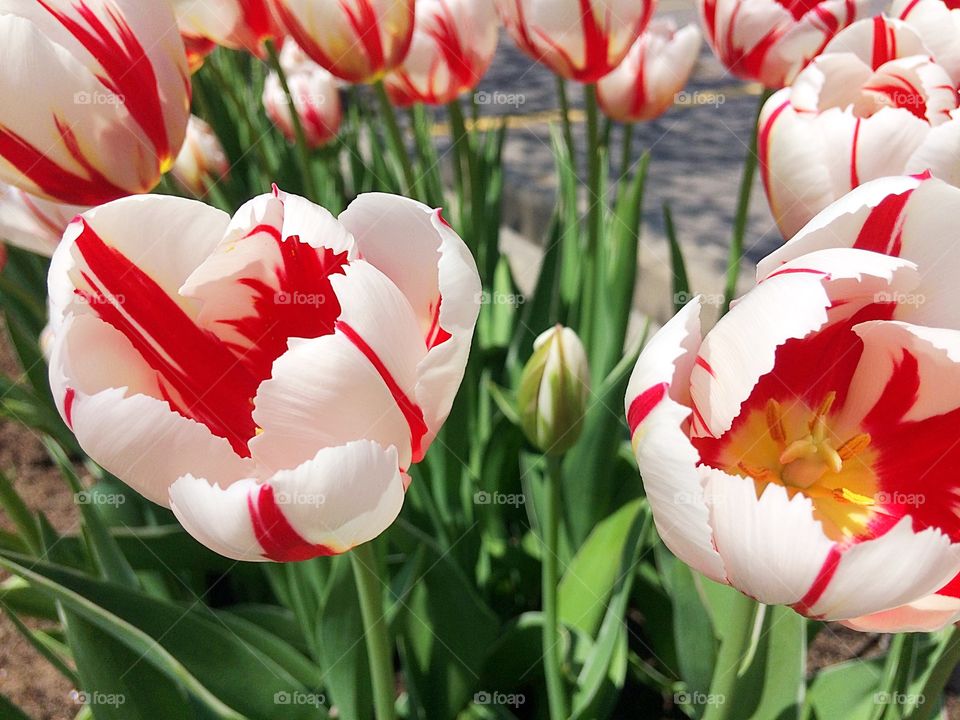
743,209
303,149
593,264
734,645
556,693
394,136
370,589
625,150
565,118
461,143
947,659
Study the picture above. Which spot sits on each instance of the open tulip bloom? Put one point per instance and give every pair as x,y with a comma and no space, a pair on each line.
102,97
873,104
804,450
270,377
235,24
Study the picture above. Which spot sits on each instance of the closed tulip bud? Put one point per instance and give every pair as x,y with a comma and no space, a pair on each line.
553,391
453,44
201,160
102,97
316,98
655,70
357,40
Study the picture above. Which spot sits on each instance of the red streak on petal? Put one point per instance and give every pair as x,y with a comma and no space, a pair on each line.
436,335
854,175
643,404
411,411
884,42
763,149
68,398
705,365
882,231
796,271
820,583
279,539
53,180
129,72
951,589
210,384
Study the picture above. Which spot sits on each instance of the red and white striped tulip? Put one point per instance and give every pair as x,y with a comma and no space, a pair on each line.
872,105
938,23
453,44
770,41
577,39
102,97
272,376
359,41
202,160
316,98
234,24
33,223
646,83
804,451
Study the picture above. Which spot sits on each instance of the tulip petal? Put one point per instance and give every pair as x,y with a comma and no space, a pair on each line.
928,614
343,497
800,297
758,539
900,567
657,412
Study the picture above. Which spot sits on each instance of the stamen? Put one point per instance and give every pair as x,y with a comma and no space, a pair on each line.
758,474
831,457
818,423
854,446
798,449
775,422
847,495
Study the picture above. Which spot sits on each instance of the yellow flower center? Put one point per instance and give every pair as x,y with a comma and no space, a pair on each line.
797,448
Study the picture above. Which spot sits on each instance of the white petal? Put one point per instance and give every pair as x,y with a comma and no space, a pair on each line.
341,498
898,568
772,547
928,614
655,402
790,303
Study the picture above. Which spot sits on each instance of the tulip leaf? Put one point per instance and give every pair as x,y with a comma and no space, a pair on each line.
165,635
46,646
681,285
591,576
341,646
447,630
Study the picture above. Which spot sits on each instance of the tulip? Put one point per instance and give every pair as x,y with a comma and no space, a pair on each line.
357,40
873,104
102,97
554,388
657,67
197,51
33,223
577,39
235,24
770,42
316,98
270,377
201,159
453,45
938,23
804,450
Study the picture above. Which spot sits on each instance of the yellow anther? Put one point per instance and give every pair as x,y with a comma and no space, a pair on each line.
845,495
854,446
775,422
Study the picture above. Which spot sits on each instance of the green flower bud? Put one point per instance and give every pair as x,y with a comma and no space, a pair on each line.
553,391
